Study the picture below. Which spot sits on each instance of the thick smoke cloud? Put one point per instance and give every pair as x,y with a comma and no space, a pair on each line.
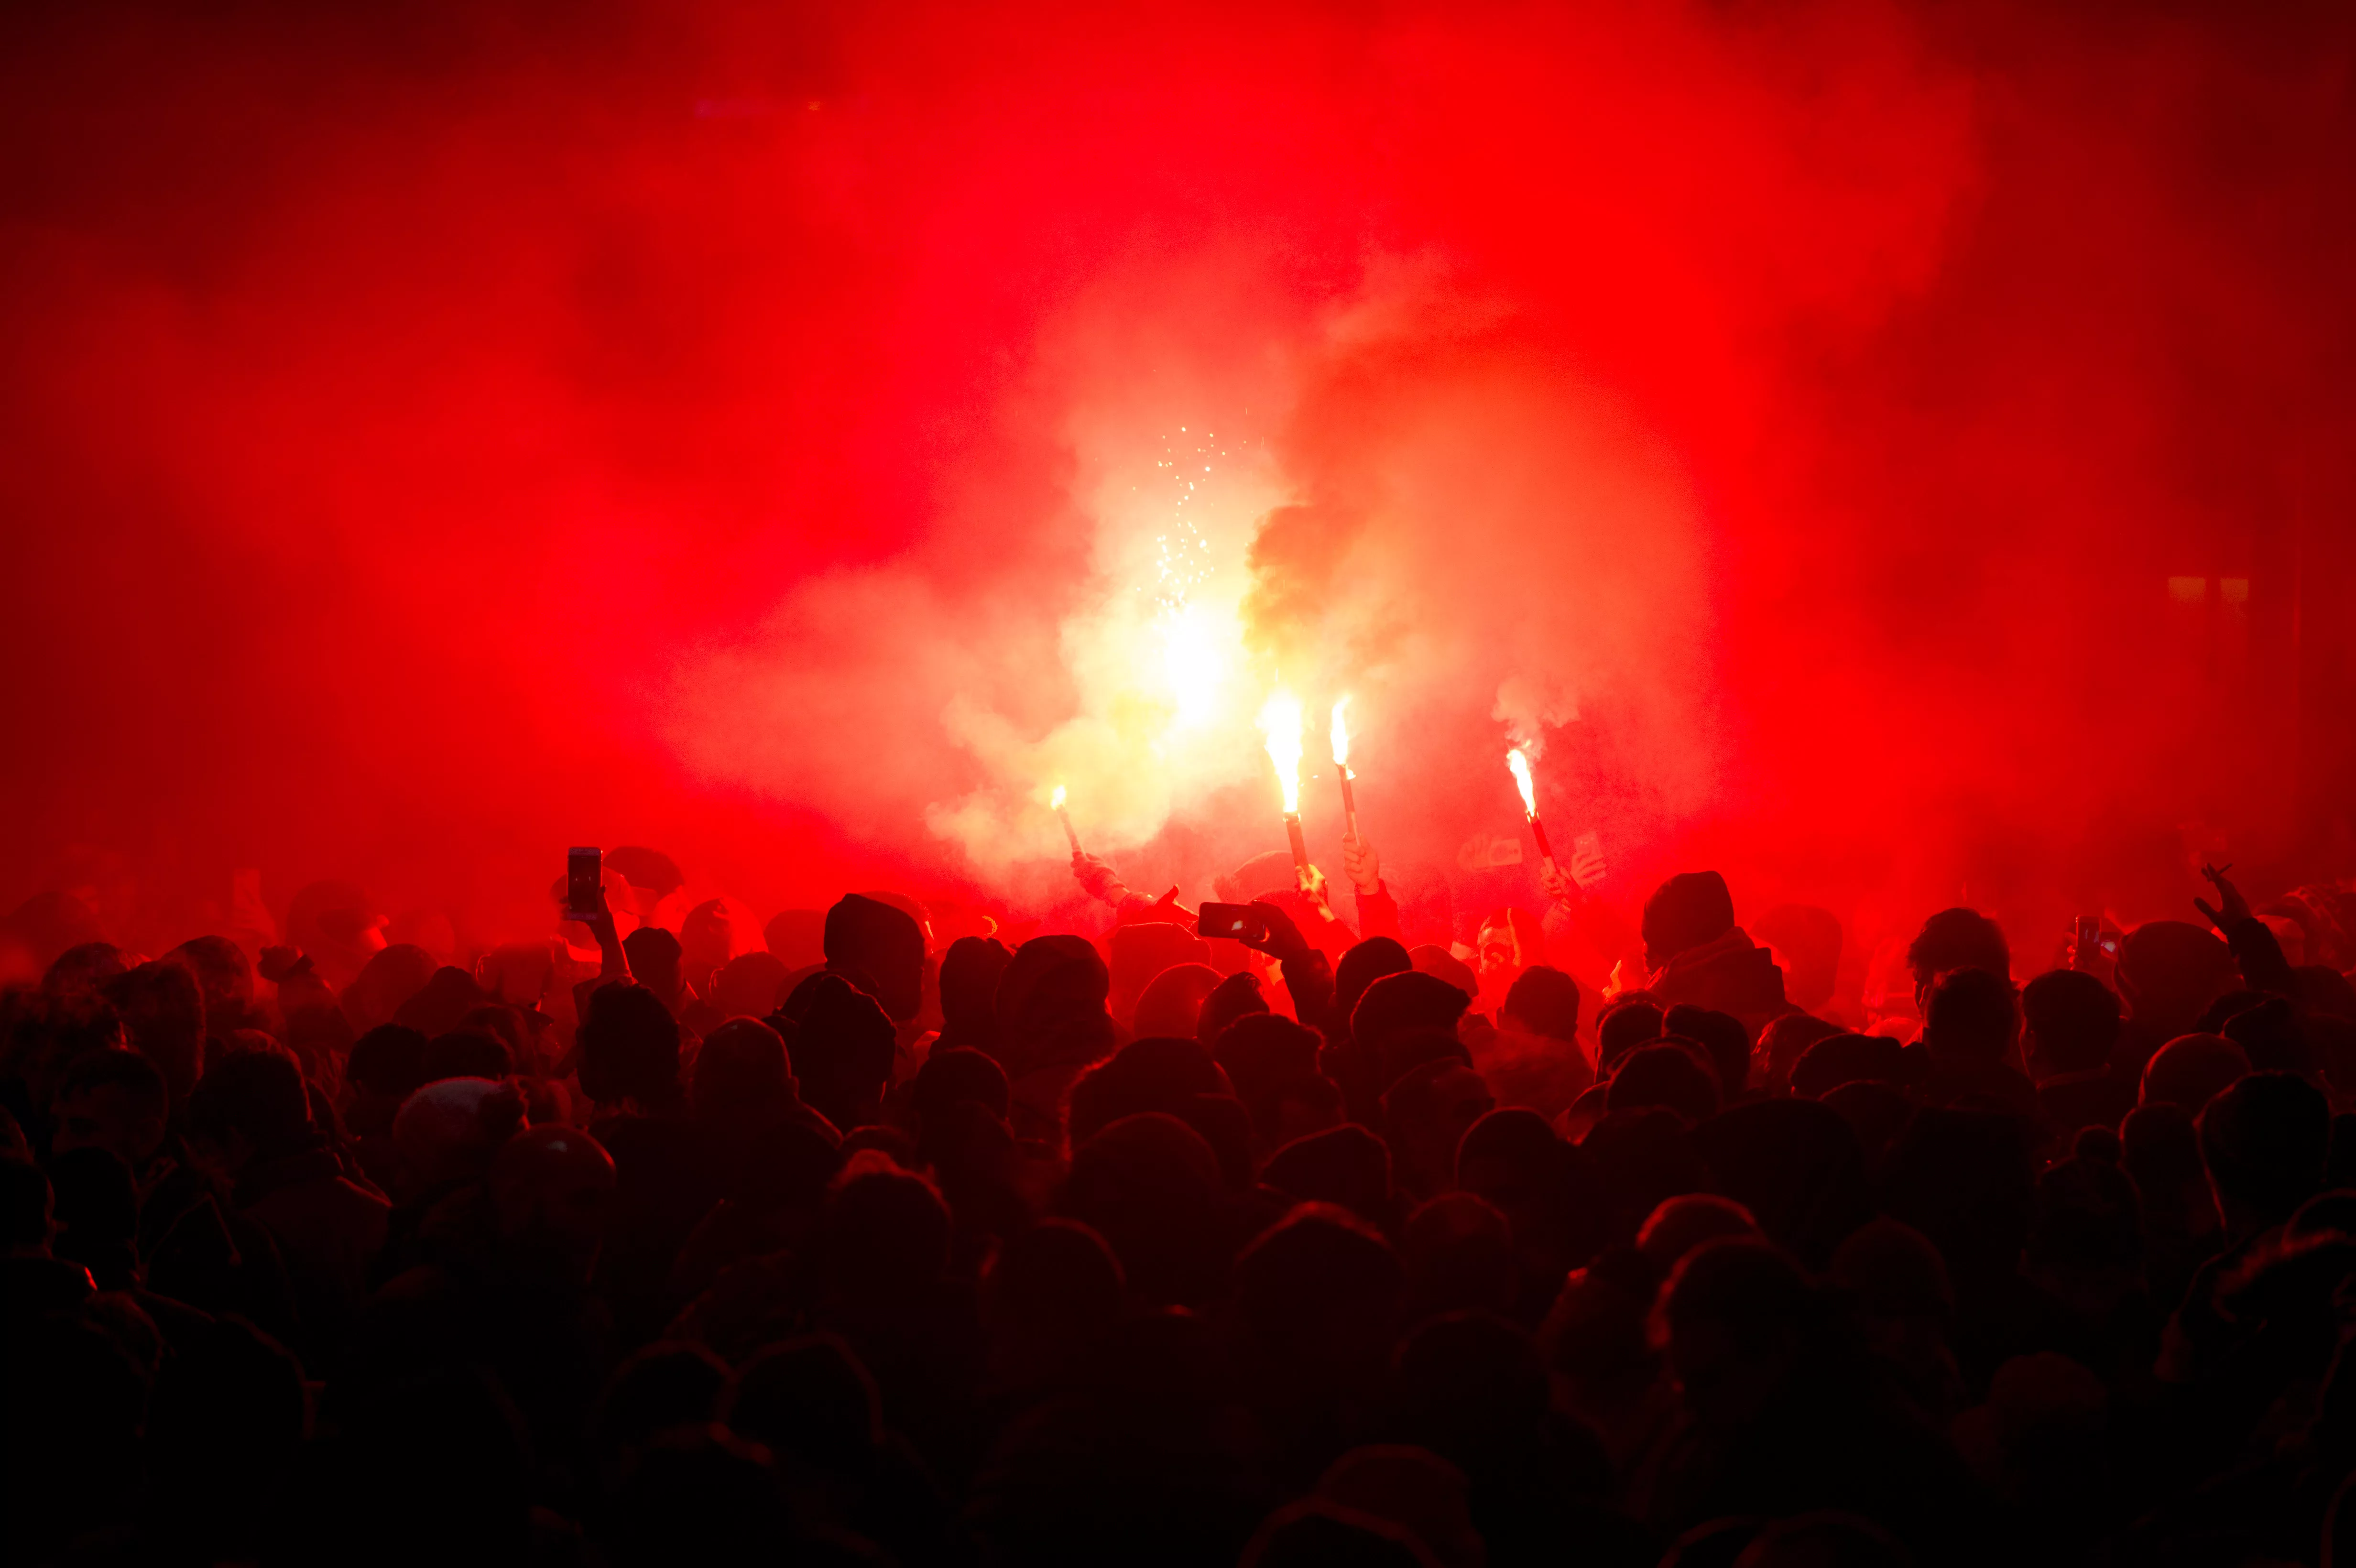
435,437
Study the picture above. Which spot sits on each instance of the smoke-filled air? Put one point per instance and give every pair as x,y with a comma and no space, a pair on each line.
808,439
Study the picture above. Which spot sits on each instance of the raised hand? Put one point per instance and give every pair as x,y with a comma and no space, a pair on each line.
2231,905
1096,878
1361,864
1278,937
281,963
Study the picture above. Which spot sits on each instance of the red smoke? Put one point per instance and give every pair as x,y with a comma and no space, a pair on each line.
435,437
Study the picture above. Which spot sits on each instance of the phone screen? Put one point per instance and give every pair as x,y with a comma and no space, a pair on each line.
1235,921
583,870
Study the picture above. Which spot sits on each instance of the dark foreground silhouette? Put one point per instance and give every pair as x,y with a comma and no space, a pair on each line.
658,1242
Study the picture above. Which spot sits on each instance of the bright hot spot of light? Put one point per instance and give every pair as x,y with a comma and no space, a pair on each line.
1279,720
1520,766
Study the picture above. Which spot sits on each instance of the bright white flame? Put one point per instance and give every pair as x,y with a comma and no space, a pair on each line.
1056,801
1341,735
1520,764
1193,661
1279,720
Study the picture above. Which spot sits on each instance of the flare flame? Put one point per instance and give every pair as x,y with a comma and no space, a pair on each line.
1279,720
1520,766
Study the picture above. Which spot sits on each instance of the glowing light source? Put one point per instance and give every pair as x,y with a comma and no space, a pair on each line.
1279,720
1192,663
1340,738
1056,801
1520,766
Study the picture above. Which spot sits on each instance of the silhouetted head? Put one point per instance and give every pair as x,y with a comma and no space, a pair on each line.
2169,970
2191,1070
2264,1142
796,938
1049,1301
749,985
1734,1321
1264,1057
1346,1164
1365,963
1320,1289
1624,1026
250,1105
1690,910
970,972
1051,1004
842,1047
1685,1222
1172,1001
1670,1075
1457,1250
809,1401
657,1389
468,1052
1471,1387
1431,958
1150,1187
449,1132
386,983
959,1076
1957,939
1141,950
1969,1016
1238,995
1396,1004
113,1100
742,1073
657,962
1723,1036
2070,1022
1544,1002
1317,1533
2087,1219
81,966
1797,1167
1965,1180
224,975
1783,1041
882,949
551,1192
388,1063
884,1235
628,1045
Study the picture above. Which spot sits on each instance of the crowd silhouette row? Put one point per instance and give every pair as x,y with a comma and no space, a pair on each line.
865,1239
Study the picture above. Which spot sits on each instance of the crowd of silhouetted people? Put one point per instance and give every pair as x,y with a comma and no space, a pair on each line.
858,1239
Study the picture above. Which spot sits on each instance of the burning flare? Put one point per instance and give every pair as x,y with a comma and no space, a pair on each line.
1056,801
1279,720
1340,737
1520,764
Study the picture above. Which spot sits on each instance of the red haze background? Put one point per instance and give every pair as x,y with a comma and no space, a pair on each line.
1912,439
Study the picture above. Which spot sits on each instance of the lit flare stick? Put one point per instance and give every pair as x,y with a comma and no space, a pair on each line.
1057,801
1520,766
1279,720
1342,763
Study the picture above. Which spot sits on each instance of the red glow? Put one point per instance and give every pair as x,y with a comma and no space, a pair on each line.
434,441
